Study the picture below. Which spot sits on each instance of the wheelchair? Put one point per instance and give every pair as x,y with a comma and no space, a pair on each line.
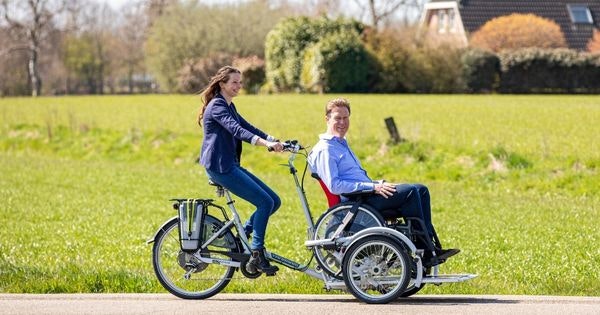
345,219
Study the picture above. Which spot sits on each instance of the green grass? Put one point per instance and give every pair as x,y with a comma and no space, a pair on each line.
514,180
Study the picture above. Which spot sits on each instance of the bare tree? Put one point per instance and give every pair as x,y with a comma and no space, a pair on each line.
156,8
132,35
380,11
329,8
30,21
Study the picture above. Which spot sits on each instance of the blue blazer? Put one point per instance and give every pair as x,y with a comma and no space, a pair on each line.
224,131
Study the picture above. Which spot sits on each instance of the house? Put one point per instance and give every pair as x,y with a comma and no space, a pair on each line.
455,20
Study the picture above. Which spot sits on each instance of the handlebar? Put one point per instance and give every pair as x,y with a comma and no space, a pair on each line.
289,146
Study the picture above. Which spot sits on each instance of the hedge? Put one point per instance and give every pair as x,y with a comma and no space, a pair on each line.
338,62
535,70
285,47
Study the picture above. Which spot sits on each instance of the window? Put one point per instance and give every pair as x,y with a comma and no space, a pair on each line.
452,21
442,20
580,14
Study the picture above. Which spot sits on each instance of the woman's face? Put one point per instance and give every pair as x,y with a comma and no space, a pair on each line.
232,87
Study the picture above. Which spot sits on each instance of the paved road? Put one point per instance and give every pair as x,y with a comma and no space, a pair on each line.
233,304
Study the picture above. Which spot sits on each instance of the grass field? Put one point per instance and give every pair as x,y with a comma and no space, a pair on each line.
515,183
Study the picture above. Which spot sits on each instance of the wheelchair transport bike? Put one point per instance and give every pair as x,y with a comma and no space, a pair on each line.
357,249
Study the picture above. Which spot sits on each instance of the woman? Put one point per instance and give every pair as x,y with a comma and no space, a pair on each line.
224,131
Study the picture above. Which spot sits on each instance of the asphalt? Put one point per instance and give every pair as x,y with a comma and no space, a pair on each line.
325,304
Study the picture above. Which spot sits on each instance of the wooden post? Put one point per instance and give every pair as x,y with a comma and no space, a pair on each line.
391,127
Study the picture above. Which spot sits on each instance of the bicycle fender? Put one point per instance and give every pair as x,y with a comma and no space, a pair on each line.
162,227
378,230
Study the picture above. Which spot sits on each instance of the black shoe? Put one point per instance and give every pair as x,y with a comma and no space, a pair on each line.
443,254
260,262
248,231
440,256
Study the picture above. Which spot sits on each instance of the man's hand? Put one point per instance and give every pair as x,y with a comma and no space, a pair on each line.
385,189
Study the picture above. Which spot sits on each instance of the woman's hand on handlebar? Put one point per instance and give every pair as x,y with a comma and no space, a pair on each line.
288,146
274,146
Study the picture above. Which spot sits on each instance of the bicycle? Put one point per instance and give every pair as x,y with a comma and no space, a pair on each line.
196,253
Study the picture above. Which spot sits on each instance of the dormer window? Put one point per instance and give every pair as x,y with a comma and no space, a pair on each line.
580,14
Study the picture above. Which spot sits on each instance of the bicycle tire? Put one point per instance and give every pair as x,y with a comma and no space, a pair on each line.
171,264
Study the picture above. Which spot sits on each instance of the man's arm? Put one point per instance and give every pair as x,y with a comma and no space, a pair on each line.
326,166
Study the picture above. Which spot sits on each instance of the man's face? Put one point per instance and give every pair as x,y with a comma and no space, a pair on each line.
338,122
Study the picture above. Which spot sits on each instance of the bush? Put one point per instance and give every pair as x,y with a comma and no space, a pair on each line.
195,74
593,45
338,63
408,65
534,70
286,43
481,70
517,31
441,68
394,51
253,72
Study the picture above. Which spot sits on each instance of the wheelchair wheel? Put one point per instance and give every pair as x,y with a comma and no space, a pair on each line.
376,269
411,289
330,258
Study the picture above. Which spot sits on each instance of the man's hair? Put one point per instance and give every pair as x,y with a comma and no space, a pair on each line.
336,102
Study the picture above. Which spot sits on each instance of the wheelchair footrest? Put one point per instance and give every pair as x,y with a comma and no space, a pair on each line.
439,279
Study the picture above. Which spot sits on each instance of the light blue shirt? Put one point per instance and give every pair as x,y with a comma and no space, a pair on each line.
337,166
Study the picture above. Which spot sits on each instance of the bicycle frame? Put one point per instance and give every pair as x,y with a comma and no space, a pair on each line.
235,222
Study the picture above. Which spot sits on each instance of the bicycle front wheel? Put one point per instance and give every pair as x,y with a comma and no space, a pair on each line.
183,274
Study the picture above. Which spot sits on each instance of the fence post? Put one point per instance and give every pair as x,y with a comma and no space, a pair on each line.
391,127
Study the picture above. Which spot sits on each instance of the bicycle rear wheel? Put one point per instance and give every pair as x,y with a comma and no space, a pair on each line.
184,275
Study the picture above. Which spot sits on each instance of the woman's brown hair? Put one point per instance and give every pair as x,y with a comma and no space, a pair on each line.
213,88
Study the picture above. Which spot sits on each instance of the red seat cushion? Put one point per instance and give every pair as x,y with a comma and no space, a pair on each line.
332,199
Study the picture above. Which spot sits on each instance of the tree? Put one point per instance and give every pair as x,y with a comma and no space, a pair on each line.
518,31
131,38
31,24
13,80
90,49
381,11
593,45
191,31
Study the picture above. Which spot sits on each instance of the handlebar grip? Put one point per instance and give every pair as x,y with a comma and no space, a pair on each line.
287,145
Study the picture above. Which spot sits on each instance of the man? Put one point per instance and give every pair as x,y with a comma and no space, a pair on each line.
341,171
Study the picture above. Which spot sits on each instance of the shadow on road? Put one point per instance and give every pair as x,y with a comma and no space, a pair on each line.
452,300
420,300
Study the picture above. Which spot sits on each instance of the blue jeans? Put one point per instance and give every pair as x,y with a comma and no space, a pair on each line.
243,184
412,200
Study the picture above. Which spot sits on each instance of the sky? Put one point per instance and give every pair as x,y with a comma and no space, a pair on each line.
115,4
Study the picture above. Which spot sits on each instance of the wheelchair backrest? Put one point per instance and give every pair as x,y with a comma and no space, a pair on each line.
332,199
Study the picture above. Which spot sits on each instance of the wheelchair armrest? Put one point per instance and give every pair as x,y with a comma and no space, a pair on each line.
360,193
